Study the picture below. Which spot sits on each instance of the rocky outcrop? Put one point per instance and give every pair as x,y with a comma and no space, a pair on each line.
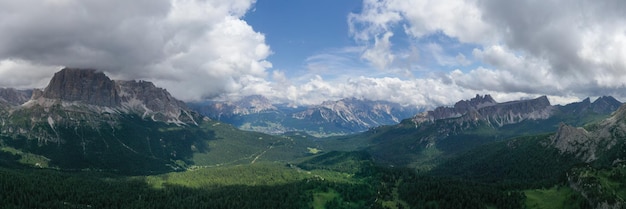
575,141
146,98
14,97
596,140
83,85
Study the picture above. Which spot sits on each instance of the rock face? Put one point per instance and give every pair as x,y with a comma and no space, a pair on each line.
84,85
517,111
14,97
87,88
487,109
83,119
145,97
576,141
598,140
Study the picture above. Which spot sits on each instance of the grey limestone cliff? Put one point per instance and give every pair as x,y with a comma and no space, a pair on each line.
84,85
92,90
485,108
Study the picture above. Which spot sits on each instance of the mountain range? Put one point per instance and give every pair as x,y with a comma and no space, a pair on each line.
346,116
85,121
428,137
82,117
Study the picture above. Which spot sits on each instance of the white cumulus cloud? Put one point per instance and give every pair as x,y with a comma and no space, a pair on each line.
196,49
205,49
560,48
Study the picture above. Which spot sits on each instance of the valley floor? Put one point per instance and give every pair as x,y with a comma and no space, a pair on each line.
260,185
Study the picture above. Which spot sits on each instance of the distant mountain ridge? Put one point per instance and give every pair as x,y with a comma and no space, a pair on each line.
356,113
248,105
350,115
14,97
85,120
447,131
486,108
146,127
602,105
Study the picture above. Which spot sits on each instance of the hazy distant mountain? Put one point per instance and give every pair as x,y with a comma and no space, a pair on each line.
602,105
488,110
224,111
257,113
354,115
13,96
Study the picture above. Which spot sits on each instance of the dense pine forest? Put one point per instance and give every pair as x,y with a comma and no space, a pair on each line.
324,184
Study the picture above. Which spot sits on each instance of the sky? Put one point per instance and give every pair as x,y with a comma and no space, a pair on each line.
423,53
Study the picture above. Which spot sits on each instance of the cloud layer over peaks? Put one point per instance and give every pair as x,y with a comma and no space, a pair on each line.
558,47
414,52
194,48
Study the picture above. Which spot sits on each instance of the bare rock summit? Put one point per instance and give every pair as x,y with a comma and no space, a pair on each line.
84,85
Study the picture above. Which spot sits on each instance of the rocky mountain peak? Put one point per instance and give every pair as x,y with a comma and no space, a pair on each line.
145,97
85,85
586,101
459,109
475,103
92,90
605,105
